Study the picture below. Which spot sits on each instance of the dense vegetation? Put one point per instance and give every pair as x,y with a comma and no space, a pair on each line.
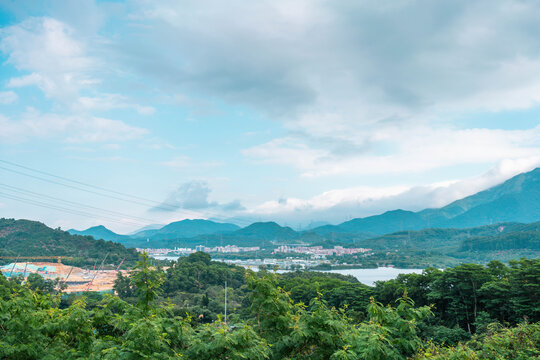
32,238
469,312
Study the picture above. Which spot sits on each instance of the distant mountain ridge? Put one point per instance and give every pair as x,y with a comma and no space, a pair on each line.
99,232
515,200
176,230
189,228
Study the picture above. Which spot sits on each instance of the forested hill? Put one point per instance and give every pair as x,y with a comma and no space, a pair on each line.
499,236
187,228
32,238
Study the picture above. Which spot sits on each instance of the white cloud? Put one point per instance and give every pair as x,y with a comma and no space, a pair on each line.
48,49
8,97
108,102
362,86
73,129
336,205
101,130
364,58
192,195
398,149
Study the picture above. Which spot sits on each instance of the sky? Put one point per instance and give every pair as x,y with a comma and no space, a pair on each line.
130,113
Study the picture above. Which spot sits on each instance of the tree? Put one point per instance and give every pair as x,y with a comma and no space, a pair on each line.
123,286
147,281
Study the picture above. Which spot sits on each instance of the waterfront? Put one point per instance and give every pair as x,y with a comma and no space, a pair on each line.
369,276
365,276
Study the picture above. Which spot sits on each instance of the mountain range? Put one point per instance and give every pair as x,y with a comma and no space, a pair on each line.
517,200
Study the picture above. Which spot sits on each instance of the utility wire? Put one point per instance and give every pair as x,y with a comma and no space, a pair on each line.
73,187
134,199
113,213
82,183
59,208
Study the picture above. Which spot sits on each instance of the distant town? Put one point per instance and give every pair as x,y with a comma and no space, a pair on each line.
317,252
186,251
313,255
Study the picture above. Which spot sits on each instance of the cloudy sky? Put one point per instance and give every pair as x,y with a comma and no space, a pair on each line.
127,113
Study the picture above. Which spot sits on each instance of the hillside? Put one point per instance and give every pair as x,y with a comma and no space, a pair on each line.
479,243
149,236
267,231
32,238
515,200
256,234
187,228
99,232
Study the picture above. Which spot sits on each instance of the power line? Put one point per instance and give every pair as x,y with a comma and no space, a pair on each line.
80,182
59,208
149,202
72,187
137,199
112,212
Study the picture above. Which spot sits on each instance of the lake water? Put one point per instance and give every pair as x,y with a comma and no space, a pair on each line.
365,276
369,276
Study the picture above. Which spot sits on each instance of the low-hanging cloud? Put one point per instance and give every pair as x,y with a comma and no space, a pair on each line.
342,204
194,196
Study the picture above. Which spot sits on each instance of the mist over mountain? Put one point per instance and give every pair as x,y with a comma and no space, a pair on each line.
147,227
515,200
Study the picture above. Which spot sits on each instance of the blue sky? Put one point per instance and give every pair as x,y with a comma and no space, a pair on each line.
294,111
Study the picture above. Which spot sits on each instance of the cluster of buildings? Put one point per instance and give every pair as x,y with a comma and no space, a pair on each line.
187,251
227,248
279,264
151,251
319,251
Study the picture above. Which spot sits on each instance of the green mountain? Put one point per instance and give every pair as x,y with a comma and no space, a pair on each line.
99,232
501,241
183,229
147,227
187,229
267,231
515,200
32,238
256,234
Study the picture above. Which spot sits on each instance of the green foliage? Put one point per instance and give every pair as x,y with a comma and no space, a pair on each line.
219,341
123,286
471,296
147,281
521,342
336,290
32,238
36,323
319,332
